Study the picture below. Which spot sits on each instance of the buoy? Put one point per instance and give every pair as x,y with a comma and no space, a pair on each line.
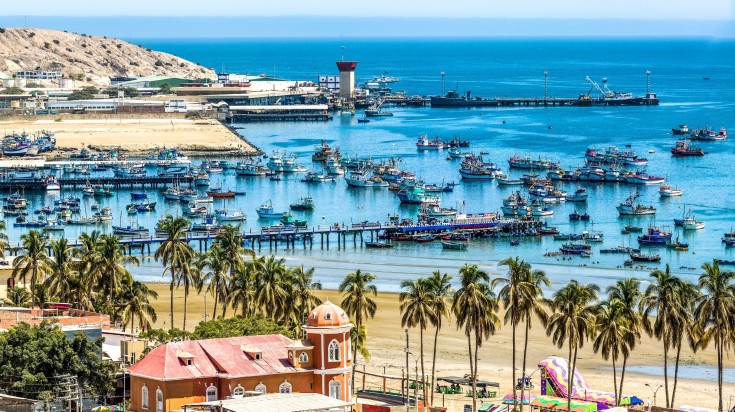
549,126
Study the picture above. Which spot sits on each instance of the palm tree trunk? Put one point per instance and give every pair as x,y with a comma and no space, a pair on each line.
513,350
173,279
33,288
666,371
358,323
570,373
525,351
132,321
224,307
719,371
622,378
433,360
615,379
186,295
216,299
676,369
421,349
474,375
472,370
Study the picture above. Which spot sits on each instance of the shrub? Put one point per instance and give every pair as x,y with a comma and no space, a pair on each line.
159,63
2,30
46,45
31,35
56,42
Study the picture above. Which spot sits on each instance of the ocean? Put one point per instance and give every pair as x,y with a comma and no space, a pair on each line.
692,78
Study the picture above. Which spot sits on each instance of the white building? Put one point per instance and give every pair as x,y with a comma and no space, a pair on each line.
38,75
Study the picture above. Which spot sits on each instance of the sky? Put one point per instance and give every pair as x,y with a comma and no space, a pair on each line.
379,18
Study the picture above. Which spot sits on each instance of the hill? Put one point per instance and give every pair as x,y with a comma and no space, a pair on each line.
88,59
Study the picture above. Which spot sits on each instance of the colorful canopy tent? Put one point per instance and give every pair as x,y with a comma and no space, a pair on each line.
466,381
510,400
689,408
491,407
112,408
553,403
554,382
631,400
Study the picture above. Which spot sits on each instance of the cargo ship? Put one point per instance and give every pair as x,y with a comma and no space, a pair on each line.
609,97
454,99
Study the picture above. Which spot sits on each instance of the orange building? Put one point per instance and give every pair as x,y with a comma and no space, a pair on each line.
179,373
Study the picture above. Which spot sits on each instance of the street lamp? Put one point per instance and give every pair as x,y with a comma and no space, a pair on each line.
654,392
416,381
523,386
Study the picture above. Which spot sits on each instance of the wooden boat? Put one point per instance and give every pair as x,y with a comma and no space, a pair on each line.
218,193
454,245
378,245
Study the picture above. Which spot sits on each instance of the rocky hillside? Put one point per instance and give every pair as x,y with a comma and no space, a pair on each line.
88,59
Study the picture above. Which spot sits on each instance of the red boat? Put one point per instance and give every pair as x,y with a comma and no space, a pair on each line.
219,194
683,148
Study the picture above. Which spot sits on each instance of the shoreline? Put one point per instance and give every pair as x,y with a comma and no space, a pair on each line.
386,344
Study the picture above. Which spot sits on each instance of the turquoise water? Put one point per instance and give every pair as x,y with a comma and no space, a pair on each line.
491,68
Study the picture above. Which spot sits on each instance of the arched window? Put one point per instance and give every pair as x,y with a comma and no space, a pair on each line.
334,389
285,387
261,388
303,357
211,393
144,397
328,316
238,391
159,400
333,351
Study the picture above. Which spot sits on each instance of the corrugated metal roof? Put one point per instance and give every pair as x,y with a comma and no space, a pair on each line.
281,402
216,357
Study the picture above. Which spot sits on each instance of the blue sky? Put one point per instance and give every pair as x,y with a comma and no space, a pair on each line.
385,18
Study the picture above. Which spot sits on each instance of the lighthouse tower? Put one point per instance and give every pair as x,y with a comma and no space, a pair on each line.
346,79
328,329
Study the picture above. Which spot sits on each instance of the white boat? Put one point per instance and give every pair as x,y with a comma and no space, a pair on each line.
631,208
52,184
265,211
542,212
201,179
104,215
127,172
172,193
437,211
507,181
668,191
360,179
424,143
224,216
580,195
250,169
690,223
281,162
313,177
173,171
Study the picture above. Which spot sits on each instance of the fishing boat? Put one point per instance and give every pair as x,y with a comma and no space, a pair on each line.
437,211
362,179
616,249
52,184
250,168
708,134
669,191
218,193
642,178
654,237
541,211
631,208
201,179
305,203
54,226
282,162
580,195
144,207
129,172
365,120
644,257
287,219
174,171
678,246
683,129
415,194
138,195
80,221
454,245
137,231
265,211
691,223
378,245
104,215
424,238
683,148
88,190
208,224
224,216
507,181
424,143
633,229
324,152
102,191
313,177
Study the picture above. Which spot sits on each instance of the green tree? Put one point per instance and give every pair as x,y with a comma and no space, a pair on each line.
442,290
112,264
662,297
572,321
165,88
12,90
63,281
18,296
475,308
85,93
684,325
176,255
218,278
88,266
357,303
417,309
32,357
3,240
714,312
33,261
613,338
304,286
534,304
242,289
270,294
134,300
239,326
628,292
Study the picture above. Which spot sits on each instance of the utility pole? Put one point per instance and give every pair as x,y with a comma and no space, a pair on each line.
648,81
442,83
408,371
546,84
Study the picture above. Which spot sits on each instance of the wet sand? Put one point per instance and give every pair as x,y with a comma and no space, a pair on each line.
386,343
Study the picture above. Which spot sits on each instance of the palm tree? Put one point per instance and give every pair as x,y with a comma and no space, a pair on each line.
134,301
442,290
242,288
270,295
230,240
112,261
518,295
572,322
18,296
683,324
613,338
357,288
714,312
417,309
34,261
628,292
218,278
199,276
176,254
662,297
88,257
474,306
3,240
63,281
304,286
534,304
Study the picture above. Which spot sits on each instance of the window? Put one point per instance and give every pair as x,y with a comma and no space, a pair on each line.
333,351
238,391
261,388
159,400
211,394
303,357
334,387
144,397
328,316
285,387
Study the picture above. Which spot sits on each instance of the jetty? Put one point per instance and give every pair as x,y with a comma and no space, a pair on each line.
39,183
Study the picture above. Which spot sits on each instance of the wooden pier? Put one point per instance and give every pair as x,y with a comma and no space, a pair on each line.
78,182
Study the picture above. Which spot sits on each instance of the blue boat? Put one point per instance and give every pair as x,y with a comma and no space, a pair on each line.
654,237
136,195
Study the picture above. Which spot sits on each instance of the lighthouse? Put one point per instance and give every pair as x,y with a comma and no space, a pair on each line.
346,79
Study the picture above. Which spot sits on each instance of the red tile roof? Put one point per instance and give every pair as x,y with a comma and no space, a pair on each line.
216,357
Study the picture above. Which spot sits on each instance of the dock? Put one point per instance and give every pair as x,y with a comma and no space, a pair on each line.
296,112
78,182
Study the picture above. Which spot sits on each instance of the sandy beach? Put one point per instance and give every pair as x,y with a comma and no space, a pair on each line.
386,343
136,134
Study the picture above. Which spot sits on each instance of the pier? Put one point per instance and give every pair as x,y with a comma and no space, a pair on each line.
78,182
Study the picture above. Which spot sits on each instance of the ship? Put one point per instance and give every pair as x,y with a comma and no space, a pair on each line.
454,99
609,97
